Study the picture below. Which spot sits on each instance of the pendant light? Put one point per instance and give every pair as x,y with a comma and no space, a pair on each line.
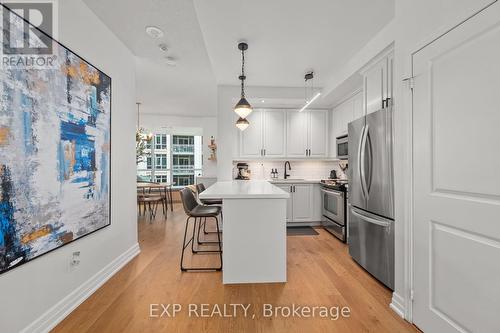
242,108
309,77
242,124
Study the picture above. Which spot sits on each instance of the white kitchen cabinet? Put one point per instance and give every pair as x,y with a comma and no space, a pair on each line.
300,206
274,133
297,128
374,86
265,137
349,110
289,202
378,84
251,138
358,111
303,202
307,134
318,133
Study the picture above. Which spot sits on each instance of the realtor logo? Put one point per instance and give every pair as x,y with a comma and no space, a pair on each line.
27,31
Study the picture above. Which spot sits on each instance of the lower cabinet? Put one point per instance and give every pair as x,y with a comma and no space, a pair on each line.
301,205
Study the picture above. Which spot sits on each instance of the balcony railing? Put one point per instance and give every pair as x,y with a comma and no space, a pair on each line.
183,169
183,149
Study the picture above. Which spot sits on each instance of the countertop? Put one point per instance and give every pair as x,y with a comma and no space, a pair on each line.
244,189
294,181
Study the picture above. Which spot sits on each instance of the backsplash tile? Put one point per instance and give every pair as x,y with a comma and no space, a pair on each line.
300,169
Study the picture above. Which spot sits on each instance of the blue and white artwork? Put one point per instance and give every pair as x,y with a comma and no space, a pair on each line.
54,156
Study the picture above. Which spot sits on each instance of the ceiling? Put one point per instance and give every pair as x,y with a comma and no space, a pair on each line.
188,89
286,38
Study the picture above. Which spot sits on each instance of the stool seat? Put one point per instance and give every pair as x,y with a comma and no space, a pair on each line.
205,211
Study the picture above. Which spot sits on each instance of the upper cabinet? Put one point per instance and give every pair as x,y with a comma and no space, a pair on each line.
297,130
251,138
265,137
377,84
318,133
342,115
307,134
277,133
274,134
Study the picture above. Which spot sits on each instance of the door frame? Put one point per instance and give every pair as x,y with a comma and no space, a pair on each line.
408,163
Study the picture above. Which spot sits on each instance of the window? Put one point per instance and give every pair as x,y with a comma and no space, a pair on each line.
183,180
161,161
160,141
161,178
175,159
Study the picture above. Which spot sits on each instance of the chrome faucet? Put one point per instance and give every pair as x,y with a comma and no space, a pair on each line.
289,168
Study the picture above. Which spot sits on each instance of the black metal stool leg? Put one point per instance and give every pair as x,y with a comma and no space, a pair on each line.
185,245
200,242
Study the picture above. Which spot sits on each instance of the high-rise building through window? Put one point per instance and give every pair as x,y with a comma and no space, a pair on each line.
175,159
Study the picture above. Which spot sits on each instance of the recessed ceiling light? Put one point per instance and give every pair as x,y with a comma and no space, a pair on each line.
262,101
171,61
163,47
154,32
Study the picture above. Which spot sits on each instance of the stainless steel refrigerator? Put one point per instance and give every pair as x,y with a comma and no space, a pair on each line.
371,194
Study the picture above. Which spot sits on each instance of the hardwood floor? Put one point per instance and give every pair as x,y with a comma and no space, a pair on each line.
320,273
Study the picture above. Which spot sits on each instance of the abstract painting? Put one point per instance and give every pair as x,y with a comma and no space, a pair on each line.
54,156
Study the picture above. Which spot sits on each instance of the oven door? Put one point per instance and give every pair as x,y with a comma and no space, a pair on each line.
333,205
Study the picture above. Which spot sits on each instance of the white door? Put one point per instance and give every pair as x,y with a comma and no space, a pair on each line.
251,138
457,179
303,207
274,133
296,132
374,91
289,202
318,133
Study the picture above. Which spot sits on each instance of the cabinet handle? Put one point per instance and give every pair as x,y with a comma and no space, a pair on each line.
264,152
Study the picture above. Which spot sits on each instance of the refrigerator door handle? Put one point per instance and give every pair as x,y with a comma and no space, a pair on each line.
362,161
368,179
369,219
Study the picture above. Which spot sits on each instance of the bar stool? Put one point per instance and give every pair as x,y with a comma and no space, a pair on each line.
198,212
200,188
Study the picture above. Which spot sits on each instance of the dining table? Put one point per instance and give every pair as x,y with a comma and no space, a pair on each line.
146,188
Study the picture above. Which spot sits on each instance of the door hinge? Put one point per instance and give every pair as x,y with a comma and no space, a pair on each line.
412,295
411,82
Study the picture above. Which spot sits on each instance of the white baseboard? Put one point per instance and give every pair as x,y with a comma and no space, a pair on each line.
398,305
58,312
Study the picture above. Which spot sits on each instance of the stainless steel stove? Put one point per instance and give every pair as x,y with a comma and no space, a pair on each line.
334,194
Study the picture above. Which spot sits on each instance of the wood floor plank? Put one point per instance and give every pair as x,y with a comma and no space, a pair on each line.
320,273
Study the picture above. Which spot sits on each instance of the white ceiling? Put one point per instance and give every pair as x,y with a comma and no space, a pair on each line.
285,39
187,89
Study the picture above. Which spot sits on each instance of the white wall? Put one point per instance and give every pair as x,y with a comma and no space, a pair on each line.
33,288
207,125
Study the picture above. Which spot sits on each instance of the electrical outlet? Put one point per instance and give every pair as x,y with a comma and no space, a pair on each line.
75,259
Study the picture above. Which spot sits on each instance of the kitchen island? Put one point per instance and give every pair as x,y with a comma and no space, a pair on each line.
254,230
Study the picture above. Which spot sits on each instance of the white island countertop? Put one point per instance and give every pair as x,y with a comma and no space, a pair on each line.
244,189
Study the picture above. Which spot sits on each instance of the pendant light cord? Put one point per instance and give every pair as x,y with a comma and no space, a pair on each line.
242,73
